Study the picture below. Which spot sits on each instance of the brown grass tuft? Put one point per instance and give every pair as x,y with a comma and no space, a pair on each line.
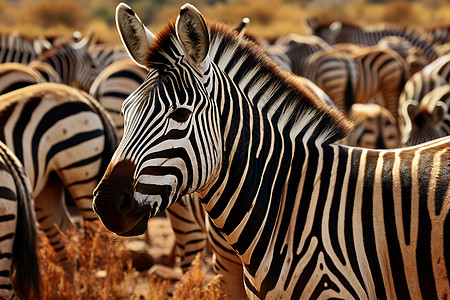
195,286
104,267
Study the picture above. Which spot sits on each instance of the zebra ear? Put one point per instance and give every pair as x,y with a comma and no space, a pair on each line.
411,108
86,43
242,27
192,34
41,44
439,112
134,35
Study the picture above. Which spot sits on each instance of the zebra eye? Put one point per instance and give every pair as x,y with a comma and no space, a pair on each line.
180,114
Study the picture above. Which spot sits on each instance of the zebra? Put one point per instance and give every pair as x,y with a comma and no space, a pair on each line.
440,33
334,32
428,118
64,139
376,128
72,61
218,118
14,76
19,267
355,77
440,67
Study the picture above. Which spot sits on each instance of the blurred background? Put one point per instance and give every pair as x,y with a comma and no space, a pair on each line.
269,18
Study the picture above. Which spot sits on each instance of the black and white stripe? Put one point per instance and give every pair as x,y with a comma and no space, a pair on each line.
376,128
64,140
19,267
72,61
17,48
343,32
14,76
308,218
351,76
114,84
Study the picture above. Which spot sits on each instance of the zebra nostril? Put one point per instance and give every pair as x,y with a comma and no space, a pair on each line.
126,203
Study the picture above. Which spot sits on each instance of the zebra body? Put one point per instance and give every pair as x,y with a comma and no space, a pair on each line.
105,55
413,56
63,140
355,77
440,67
292,50
376,128
19,268
259,152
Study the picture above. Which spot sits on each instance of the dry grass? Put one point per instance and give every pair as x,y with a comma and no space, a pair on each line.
104,267
105,272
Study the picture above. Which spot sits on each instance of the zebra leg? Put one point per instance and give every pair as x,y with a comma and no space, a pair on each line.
226,263
8,207
189,228
52,216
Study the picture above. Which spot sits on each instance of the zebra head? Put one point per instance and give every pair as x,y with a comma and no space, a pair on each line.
165,119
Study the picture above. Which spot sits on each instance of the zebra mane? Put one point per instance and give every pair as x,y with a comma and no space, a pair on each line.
257,72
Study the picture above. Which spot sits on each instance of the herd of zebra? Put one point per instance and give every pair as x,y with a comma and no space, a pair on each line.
313,166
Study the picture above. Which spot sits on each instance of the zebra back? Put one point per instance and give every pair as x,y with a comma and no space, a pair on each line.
24,265
335,32
14,76
16,48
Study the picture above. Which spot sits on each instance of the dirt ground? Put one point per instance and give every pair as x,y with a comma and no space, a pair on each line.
159,244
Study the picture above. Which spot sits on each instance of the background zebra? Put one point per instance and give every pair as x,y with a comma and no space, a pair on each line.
351,76
420,122
17,48
218,118
64,139
334,32
376,127
428,118
72,61
19,269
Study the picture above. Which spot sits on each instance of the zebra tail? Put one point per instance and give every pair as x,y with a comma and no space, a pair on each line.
25,272
111,141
